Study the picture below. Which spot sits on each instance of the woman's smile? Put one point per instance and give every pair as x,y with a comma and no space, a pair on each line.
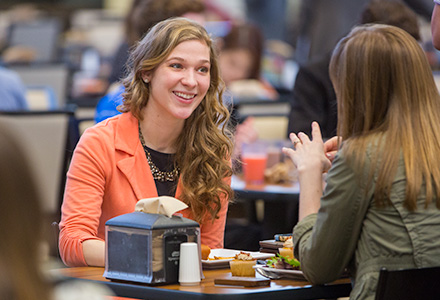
184,76
186,97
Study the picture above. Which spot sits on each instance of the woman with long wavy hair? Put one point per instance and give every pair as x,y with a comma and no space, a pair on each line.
171,140
381,205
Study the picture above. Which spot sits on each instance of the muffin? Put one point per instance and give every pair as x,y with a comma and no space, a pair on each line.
243,265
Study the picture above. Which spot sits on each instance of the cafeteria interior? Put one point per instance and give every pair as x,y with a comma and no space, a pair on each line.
63,51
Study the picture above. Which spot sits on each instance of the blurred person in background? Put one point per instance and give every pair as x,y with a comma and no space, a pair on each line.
241,51
22,258
240,60
20,227
12,91
313,97
323,23
142,16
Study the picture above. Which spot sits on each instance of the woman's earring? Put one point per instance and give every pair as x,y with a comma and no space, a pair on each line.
146,80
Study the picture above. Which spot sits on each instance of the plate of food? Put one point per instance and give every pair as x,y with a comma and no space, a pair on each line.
274,273
278,267
272,246
219,258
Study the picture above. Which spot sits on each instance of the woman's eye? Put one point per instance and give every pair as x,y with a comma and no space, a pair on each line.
204,69
176,66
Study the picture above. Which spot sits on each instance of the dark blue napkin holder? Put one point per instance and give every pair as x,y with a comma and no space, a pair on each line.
145,248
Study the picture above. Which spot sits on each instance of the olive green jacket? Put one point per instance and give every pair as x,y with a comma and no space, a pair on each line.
350,232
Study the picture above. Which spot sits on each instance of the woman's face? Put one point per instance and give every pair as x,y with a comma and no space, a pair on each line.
235,64
181,81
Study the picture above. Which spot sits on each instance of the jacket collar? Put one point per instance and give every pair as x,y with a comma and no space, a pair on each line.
135,166
126,137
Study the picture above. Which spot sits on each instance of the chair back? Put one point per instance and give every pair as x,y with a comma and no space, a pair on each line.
53,76
271,127
41,35
409,284
47,139
41,97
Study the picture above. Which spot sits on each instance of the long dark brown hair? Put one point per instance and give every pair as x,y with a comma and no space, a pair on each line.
387,95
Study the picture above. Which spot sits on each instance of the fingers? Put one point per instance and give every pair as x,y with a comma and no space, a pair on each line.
302,137
295,139
316,131
299,139
288,151
331,144
331,155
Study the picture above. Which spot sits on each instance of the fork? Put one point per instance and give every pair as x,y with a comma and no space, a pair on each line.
267,274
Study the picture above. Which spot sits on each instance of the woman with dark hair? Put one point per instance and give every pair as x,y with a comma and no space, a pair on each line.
241,53
171,140
381,204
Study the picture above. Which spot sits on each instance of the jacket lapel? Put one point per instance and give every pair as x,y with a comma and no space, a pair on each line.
130,158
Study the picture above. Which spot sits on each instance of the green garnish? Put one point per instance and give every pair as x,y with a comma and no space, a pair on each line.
279,261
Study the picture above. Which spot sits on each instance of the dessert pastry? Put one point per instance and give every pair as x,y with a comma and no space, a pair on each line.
205,251
243,265
287,250
282,237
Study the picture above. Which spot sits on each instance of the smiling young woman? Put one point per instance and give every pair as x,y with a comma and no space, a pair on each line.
170,140
179,84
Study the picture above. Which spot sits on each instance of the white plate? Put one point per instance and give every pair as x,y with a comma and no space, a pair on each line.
221,263
293,274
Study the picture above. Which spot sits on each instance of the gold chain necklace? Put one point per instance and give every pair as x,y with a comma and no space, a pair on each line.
158,174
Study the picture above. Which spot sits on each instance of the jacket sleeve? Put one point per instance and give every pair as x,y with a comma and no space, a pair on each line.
81,209
325,242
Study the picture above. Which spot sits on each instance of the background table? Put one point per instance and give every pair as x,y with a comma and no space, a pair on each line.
278,289
280,205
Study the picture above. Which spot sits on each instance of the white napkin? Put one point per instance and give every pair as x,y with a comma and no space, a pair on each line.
163,205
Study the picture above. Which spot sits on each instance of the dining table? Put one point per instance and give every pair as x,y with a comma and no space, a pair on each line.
299,288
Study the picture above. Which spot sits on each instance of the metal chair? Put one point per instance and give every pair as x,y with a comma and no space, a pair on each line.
409,284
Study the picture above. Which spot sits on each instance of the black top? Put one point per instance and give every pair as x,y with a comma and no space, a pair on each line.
165,163
313,99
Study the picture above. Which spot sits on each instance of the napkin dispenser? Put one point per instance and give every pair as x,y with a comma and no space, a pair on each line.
145,247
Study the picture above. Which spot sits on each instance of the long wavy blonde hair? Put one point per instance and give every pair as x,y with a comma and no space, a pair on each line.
387,95
205,145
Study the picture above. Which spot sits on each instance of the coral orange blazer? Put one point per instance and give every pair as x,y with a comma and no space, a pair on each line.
108,174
